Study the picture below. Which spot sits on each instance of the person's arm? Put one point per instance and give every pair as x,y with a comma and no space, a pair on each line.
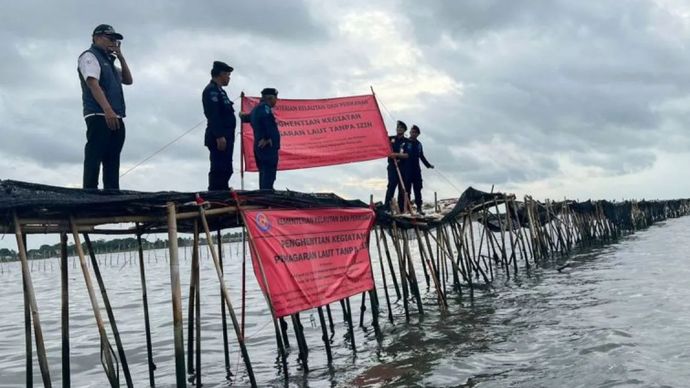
211,100
402,154
258,120
126,73
111,118
245,117
423,158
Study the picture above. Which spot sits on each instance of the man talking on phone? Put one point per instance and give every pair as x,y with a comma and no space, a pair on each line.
104,106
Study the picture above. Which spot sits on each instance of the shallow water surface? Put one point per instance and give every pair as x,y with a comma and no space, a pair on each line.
617,316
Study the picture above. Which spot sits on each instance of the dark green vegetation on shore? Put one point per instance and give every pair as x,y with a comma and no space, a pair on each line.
46,251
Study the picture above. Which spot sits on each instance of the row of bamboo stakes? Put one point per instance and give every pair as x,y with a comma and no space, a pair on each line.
457,256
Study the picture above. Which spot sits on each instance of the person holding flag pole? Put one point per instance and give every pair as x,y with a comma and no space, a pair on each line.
396,163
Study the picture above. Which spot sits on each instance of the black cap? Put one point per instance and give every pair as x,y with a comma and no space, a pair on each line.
106,29
415,127
402,124
269,92
219,66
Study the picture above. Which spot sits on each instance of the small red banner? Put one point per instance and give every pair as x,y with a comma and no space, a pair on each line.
322,132
311,257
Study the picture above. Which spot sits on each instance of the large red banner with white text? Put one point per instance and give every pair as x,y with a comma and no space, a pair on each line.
322,132
310,257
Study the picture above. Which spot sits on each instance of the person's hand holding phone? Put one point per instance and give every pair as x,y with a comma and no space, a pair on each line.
116,49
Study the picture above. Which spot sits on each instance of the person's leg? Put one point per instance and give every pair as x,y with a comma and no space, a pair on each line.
418,194
228,161
392,185
402,200
111,160
262,169
97,133
221,168
215,178
271,171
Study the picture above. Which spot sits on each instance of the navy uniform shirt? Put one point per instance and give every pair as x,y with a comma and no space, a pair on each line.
265,126
415,152
398,145
220,114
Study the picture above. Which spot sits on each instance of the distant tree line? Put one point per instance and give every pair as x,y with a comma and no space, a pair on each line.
46,251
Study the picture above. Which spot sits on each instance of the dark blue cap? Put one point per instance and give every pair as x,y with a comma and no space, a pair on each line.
106,29
219,66
269,92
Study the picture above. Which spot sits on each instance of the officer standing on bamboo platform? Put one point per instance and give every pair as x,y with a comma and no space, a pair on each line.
266,138
398,157
220,128
413,171
104,106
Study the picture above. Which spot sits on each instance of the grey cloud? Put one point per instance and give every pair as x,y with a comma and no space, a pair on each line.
556,76
600,83
73,19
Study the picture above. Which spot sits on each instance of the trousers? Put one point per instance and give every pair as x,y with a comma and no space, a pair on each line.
393,184
221,166
267,163
103,147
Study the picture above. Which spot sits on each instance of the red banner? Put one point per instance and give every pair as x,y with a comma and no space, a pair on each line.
323,132
311,257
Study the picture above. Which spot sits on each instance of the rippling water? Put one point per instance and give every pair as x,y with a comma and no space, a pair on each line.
618,315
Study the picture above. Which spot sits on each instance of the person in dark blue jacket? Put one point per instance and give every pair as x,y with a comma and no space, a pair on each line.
220,128
413,171
398,157
266,138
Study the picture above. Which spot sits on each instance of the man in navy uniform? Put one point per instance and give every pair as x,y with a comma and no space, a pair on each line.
104,106
220,128
413,171
266,138
398,157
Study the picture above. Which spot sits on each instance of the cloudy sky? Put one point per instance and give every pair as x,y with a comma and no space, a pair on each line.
557,98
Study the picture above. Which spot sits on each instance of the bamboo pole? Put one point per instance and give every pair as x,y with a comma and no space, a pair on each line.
176,296
30,310
147,324
349,323
197,322
303,355
109,311
64,280
442,239
383,275
390,262
362,309
401,265
224,322
107,356
463,260
519,235
509,225
503,232
330,320
434,273
235,323
283,332
266,292
324,336
192,300
412,273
